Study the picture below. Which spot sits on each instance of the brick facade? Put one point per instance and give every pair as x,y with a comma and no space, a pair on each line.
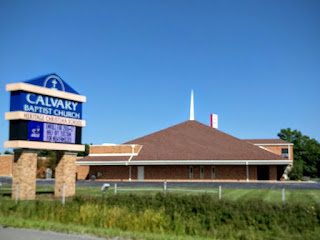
278,149
82,172
176,173
114,149
167,172
253,175
24,174
116,173
273,173
6,163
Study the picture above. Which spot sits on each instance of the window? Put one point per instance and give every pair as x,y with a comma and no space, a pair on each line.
285,152
201,173
212,173
191,172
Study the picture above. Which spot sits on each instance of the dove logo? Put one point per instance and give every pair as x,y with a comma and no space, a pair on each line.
35,132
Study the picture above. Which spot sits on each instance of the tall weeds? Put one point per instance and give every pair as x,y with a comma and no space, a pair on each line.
196,215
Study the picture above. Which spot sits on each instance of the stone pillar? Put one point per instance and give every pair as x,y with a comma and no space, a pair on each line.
24,174
65,174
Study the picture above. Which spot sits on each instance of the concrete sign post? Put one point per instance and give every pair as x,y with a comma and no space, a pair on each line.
45,114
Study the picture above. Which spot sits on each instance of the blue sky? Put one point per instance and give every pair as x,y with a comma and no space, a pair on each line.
254,63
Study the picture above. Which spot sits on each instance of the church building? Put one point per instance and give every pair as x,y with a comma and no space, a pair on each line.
189,151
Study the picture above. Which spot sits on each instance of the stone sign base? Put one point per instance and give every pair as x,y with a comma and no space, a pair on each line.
25,168
65,174
24,174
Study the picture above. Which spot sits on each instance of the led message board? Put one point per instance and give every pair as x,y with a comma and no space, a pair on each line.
50,132
45,110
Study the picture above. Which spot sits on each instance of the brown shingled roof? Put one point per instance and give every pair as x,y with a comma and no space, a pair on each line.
265,141
192,140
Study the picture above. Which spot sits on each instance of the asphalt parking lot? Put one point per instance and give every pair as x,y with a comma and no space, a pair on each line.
245,185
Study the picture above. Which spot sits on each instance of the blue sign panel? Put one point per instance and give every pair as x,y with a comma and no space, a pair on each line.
50,132
35,131
52,81
37,103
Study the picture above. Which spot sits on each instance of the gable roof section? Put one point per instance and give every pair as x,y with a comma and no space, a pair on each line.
192,140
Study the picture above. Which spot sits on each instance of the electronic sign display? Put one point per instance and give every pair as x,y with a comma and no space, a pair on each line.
50,132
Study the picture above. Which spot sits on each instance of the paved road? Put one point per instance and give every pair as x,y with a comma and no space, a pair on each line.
8,233
249,185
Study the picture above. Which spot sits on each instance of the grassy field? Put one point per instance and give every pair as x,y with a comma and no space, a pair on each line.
268,195
241,214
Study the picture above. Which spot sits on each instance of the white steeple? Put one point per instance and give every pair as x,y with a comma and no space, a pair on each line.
191,107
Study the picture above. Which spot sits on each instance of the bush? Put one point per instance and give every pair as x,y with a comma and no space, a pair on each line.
296,171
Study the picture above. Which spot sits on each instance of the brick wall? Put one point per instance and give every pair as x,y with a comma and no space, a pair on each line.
253,175
278,149
82,172
114,149
117,173
273,173
231,172
167,173
6,165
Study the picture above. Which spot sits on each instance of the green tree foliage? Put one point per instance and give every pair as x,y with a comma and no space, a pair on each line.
306,153
8,152
86,151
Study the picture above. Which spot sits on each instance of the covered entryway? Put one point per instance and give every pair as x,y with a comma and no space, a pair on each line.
263,172
280,171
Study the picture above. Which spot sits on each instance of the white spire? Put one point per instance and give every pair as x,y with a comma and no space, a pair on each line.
191,107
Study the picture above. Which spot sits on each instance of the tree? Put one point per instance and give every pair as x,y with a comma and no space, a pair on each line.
86,151
8,152
306,153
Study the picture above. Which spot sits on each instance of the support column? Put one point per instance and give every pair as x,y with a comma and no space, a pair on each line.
247,172
130,173
65,174
24,174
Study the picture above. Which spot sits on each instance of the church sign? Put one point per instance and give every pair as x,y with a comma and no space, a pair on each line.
45,113
36,103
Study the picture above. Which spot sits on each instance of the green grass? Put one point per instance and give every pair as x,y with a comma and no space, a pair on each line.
268,195
273,195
